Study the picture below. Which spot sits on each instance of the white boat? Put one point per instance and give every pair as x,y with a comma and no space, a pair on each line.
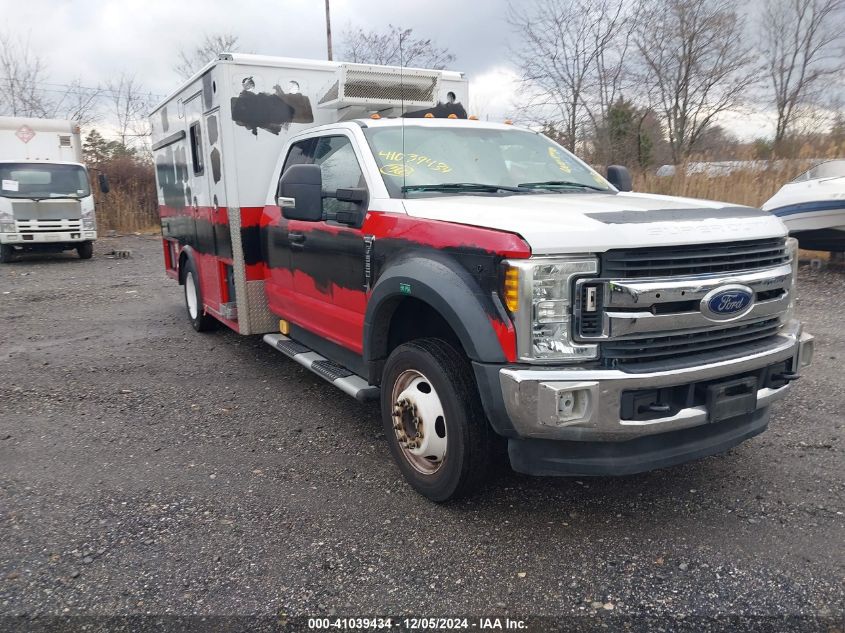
813,207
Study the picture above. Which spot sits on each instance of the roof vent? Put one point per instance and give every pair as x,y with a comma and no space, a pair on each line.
381,87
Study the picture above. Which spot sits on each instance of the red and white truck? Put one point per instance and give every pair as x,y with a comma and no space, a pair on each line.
486,285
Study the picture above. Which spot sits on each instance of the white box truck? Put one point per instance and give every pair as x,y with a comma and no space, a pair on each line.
46,203
482,282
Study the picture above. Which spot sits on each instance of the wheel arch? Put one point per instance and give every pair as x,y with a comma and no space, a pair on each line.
185,255
443,288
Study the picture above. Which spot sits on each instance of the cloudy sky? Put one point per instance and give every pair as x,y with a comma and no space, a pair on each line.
95,40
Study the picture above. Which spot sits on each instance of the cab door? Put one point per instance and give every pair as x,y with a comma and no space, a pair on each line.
327,257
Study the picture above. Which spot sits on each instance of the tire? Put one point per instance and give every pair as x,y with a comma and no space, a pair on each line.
200,321
7,253
419,376
85,250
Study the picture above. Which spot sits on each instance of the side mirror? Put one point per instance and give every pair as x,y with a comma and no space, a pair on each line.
619,177
104,182
302,185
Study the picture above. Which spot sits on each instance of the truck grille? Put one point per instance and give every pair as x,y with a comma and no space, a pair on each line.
628,352
48,226
694,259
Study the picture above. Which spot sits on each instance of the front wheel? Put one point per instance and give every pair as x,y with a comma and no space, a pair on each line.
200,321
433,419
7,253
85,250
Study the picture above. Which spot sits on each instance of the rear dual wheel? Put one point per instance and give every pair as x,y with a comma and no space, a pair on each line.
433,420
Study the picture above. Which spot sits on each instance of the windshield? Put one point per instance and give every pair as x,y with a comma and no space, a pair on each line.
438,160
829,169
43,180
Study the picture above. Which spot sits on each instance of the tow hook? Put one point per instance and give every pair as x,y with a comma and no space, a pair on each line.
787,376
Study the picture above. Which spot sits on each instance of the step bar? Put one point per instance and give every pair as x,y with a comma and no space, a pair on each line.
339,376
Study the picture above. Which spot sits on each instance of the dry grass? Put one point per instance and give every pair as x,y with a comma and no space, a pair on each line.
132,205
750,187
746,187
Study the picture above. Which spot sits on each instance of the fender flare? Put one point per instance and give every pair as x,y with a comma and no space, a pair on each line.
448,288
188,253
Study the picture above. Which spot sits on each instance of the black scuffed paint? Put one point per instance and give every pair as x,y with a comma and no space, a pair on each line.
211,124
207,94
270,111
251,241
172,171
330,258
222,241
183,229
215,164
204,236
338,258
440,111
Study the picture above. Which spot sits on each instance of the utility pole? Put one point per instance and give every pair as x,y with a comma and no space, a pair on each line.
328,31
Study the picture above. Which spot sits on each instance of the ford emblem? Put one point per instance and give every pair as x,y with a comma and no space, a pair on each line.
727,302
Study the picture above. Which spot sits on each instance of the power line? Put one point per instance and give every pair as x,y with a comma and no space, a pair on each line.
64,88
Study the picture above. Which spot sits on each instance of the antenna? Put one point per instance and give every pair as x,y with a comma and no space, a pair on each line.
402,109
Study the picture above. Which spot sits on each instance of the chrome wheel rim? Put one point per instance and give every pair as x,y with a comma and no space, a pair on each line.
419,422
191,295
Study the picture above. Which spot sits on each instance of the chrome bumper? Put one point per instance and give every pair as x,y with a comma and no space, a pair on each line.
535,398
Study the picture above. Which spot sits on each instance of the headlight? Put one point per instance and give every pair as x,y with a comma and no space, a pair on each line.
7,226
537,292
792,249
89,222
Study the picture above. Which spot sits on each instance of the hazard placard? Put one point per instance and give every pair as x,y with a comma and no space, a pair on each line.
25,133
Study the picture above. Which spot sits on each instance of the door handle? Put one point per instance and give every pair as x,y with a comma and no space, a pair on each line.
296,239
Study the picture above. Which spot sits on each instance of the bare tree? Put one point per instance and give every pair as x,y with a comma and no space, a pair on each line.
25,91
22,72
79,103
696,64
571,56
129,104
192,60
394,46
802,44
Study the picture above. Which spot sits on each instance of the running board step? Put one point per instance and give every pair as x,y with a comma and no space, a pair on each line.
339,376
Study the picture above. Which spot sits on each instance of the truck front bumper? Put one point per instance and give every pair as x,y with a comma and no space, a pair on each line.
52,237
570,421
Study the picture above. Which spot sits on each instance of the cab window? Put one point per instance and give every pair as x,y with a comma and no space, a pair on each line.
338,164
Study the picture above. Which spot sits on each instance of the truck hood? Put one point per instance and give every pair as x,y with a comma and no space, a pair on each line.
595,222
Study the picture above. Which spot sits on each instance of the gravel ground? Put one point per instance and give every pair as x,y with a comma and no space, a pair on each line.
148,469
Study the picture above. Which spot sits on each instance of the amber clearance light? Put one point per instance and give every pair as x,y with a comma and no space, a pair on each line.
511,288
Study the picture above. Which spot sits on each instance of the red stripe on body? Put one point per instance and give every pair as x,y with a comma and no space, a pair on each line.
507,338
444,234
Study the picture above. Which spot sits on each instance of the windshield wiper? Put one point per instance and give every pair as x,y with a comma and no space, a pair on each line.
560,183
52,197
462,186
